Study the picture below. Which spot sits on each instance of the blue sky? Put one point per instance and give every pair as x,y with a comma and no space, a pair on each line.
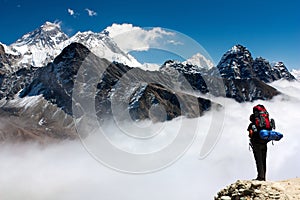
270,29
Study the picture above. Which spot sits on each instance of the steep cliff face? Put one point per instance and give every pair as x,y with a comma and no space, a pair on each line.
55,81
268,72
245,78
236,63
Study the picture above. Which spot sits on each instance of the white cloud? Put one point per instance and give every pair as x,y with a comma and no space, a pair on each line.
91,13
71,12
136,38
66,171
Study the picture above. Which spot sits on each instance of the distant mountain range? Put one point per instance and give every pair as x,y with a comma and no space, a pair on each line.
42,45
38,73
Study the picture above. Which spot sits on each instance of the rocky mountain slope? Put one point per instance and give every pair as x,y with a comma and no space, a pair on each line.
44,64
245,78
243,189
56,81
54,84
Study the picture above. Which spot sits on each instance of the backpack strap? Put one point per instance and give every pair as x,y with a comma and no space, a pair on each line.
250,146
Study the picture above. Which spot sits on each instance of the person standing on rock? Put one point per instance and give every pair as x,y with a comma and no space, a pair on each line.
259,120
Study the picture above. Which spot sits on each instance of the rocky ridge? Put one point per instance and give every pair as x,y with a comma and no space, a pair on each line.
246,78
175,89
141,94
256,190
157,95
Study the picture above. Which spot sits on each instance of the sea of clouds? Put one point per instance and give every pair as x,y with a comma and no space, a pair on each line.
67,171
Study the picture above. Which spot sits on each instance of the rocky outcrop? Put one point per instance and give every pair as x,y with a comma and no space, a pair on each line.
267,73
282,72
250,90
7,60
236,63
245,78
12,83
257,190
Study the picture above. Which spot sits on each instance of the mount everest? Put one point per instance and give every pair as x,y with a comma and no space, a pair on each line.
42,66
42,45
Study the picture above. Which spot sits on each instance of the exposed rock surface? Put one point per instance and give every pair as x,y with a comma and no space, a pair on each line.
34,119
137,92
245,78
37,65
257,190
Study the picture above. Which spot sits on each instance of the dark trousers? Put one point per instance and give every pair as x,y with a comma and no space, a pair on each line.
260,155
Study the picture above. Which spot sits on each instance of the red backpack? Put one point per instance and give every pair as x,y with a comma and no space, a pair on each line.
261,118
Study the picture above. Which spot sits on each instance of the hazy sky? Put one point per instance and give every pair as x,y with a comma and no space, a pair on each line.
268,28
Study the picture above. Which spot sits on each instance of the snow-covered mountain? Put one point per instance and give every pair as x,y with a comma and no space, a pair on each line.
296,73
238,63
103,46
246,79
280,71
199,60
45,63
41,46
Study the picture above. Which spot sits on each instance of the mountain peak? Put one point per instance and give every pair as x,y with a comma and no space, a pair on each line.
236,63
74,50
49,26
40,46
49,34
200,60
238,51
238,48
104,46
281,71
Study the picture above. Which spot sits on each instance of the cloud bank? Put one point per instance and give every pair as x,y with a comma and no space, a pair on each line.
136,38
67,171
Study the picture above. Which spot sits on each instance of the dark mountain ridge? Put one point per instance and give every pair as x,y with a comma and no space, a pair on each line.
157,95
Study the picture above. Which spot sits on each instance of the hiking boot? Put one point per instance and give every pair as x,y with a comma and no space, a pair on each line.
259,179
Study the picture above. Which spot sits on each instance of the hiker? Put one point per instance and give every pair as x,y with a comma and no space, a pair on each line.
259,120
